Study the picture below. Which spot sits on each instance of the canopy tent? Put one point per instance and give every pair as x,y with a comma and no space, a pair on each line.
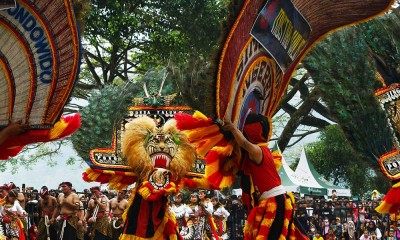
290,182
307,175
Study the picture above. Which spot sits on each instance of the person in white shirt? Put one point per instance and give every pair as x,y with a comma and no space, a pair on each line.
220,216
11,212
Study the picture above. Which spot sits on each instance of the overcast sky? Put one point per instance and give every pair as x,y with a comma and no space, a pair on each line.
41,174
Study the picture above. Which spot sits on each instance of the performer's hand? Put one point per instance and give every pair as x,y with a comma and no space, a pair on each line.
80,223
51,221
15,128
228,125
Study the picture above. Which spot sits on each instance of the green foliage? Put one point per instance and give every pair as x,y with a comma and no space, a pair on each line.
334,158
33,154
154,32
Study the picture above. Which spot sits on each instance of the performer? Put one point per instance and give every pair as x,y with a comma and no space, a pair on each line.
208,210
82,228
12,211
179,208
22,202
196,218
220,216
48,209
272,217
98,215
68,208
118,205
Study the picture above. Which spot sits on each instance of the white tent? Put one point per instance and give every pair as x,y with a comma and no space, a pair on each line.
306,174
291,183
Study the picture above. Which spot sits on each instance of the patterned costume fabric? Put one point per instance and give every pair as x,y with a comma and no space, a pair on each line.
271,218
42,232
14,228
160,223
180,215
116,232
100,229
71,227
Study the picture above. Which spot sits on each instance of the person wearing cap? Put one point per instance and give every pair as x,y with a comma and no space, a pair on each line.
69,205
12,213
271,217
118,205
98,215
47,206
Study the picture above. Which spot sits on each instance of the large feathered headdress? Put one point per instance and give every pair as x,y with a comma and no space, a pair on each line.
39,64
264,43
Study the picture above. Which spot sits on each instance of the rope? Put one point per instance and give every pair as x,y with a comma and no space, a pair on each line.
96,210
47,224
114,222
62,229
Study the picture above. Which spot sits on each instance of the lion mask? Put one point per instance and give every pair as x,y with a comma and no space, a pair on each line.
148,147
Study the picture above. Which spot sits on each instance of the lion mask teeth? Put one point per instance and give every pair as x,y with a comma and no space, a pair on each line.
160,160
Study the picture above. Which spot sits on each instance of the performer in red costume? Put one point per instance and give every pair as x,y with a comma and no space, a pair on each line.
272,216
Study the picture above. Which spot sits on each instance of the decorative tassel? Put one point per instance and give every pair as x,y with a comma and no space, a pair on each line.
391,201
64,127
207,144
186,121
194,183
116,179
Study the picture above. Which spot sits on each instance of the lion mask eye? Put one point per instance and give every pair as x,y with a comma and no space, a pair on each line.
176,139
148,136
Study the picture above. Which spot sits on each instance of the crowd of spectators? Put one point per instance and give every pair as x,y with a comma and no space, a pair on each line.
320,217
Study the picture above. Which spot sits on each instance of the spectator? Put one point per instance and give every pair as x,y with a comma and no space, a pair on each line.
397,230
365,236
349,233
371,228
330,235
318,236
391,235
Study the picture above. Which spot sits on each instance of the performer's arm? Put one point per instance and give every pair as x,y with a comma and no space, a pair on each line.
14,128
209,207
56,211
20,210
255,152
89,210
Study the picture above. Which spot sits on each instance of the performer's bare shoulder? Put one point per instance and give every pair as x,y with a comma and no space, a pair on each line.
48,205
69,203
118,206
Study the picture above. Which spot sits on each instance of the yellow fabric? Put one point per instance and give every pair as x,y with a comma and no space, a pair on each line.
58,129
200,116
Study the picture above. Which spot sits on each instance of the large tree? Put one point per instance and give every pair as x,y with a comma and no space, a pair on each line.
125,38
333,156
346,68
